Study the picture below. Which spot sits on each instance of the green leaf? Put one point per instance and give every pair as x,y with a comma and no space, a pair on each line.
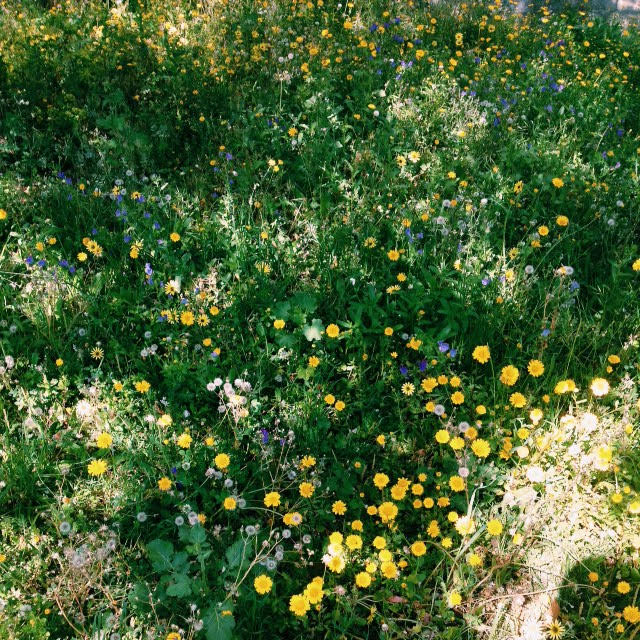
314,330
180,586
234,554
218,626
197,535
160,553
138,596
306,301
286,340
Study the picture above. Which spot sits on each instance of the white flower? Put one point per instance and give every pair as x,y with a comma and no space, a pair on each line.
535,474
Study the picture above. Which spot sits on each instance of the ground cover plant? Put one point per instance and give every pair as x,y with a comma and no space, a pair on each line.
318,320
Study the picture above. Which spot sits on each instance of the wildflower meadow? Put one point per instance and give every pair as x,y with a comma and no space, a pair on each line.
319,320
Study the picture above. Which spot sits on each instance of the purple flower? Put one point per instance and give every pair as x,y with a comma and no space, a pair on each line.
29,260
422,365
147,269
443,347
265,436
404,370
545,333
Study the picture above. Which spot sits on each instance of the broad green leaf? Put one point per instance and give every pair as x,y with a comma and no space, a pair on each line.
160,554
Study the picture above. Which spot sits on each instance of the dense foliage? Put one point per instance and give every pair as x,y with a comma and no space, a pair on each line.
316,319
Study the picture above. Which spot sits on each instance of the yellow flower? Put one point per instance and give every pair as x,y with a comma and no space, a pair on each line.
314,592
457,397
623,587
229,503
3,214
104,441
535,368
184,441
387,511
306,489
408,389
599,387
381,480
278,324
557,183
339,508
517,400
272,499
393,255
636,265
481,354
222,461
379,542
96,467
174,237
562,221
465,525
142,387
59,362
299,605
292,519
313,362
262,584
494,527
164,484
307,461
389,570
457,443
631,614
456,483
329,398
165,420
543,230
353,542
339,405
333,331
454,599
442,436
187,318
363,579
418,548
509,375
481,448
82,256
